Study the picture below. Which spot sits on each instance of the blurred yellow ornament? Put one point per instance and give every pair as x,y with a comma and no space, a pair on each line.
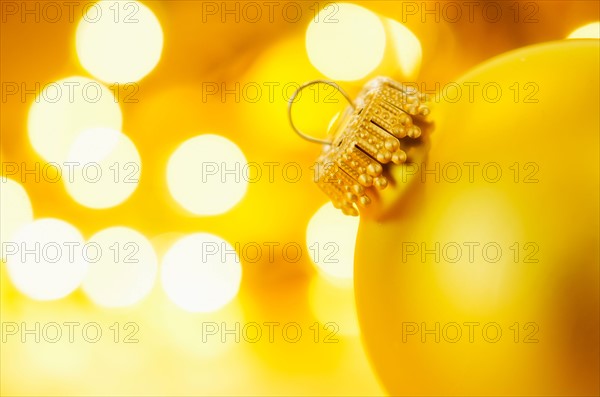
480,275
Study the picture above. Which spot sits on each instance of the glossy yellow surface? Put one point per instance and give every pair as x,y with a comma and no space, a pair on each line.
414,265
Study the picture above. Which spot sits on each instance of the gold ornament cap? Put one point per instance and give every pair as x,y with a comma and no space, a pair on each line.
383,126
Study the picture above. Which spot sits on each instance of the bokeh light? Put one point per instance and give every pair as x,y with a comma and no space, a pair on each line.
407,48
205,174
65,108
106,168
119,41
347,44
201,273
46,259
330,239
589,31
122,269
15,210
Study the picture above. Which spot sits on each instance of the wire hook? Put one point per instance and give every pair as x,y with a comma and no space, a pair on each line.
295,94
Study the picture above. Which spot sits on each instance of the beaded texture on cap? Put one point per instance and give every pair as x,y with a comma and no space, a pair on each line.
368,137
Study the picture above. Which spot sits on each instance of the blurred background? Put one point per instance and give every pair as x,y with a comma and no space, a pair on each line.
152,136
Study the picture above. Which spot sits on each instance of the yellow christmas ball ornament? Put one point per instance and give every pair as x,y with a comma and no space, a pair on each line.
476,266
